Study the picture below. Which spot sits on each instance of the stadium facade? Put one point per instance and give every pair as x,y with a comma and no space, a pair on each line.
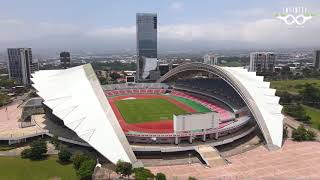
75,96
255,92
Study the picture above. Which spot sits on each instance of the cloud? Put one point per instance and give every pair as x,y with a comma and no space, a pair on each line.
177,6
249,13
10,22
268,32
115,32
13,30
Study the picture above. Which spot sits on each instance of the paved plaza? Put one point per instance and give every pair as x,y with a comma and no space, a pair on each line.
293,161
9,122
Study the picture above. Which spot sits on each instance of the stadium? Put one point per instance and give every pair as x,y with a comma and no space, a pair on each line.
192,104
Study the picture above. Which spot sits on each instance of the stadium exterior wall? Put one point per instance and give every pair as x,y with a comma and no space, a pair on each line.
75,96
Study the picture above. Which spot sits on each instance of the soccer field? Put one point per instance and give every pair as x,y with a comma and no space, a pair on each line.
147,110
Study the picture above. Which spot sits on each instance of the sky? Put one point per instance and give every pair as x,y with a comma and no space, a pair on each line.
106,25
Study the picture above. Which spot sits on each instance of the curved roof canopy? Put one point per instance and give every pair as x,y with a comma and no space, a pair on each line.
76,97
256,93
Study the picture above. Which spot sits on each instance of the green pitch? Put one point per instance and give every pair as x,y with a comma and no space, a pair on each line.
194,105
147,110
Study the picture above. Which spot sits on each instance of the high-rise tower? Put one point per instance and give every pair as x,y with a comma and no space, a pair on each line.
146,24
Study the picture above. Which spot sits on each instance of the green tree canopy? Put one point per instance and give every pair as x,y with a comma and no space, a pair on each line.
78,159
64,155
302,134
86,169
38,148
124,168
160,176
142,174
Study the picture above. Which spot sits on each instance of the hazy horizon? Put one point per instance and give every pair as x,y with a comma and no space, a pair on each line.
183,25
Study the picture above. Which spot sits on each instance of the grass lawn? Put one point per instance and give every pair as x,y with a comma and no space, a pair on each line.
194,105
314,114
15,168
146,110
6,147
293,86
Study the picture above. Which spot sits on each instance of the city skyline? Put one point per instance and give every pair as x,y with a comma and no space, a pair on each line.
110,25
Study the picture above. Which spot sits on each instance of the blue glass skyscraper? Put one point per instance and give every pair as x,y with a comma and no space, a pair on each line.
146,40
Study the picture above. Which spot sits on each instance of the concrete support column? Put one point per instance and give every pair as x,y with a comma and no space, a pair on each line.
204,138
176,140
216,135
190,139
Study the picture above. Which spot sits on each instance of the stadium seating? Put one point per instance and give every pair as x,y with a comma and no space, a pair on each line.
217,88
134,91
137,88
224,114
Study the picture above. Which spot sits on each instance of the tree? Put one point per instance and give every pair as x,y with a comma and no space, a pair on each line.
55,141
311,95
303,134
7,83
160,176
86,169
64,155
288,98
26,153
114,76
38,148
103,80
297,111
124,168
4,99
78,159
142,174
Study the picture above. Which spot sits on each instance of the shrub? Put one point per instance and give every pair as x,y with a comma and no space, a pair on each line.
78,159
160,176
55,141
123,168
142,174
38,148
26,153
192,178
298,112
86,169
64,155
302,134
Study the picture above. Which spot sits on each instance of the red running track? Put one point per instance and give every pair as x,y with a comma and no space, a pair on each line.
162,126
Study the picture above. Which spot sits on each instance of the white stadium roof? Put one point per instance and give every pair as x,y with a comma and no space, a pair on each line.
255,92
76,97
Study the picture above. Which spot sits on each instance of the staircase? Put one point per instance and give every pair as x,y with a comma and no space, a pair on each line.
211,156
